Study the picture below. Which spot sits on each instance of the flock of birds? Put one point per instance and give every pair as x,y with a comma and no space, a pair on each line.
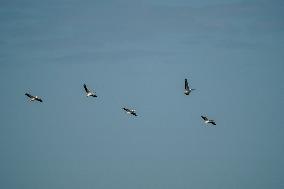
187,91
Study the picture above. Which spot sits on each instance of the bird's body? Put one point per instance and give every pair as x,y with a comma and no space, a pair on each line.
187,89
88,92
130,111
206,120
33,98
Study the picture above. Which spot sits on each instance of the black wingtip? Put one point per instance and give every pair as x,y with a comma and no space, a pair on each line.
204,117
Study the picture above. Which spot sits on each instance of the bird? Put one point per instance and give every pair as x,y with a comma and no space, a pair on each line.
187,89
206,120
130,111
88,92
33,98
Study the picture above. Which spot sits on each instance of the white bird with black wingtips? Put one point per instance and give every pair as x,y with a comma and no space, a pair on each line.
187,89
206,120
33,98
88,92
130,111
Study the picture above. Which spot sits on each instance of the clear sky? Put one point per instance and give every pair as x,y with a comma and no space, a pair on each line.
137,54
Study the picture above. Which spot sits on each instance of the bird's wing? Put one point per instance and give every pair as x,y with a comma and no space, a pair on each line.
186,84
212,121
39,99
28,95
133,113
86,89
126,109
204,118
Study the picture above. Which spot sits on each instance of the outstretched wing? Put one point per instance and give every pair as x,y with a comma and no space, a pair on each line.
134,113
86,89
39,99
28,95
186,86
204,118
126,109
212,121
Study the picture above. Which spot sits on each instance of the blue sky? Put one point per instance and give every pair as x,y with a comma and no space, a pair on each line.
137,54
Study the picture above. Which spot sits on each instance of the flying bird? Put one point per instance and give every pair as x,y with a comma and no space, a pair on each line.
33,98
187,89
206,120
88,92
130,111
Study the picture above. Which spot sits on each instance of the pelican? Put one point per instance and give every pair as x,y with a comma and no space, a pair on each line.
88,92
206,120
187,89
33,98
130,111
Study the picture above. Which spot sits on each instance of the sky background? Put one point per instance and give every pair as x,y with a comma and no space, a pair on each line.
137,54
